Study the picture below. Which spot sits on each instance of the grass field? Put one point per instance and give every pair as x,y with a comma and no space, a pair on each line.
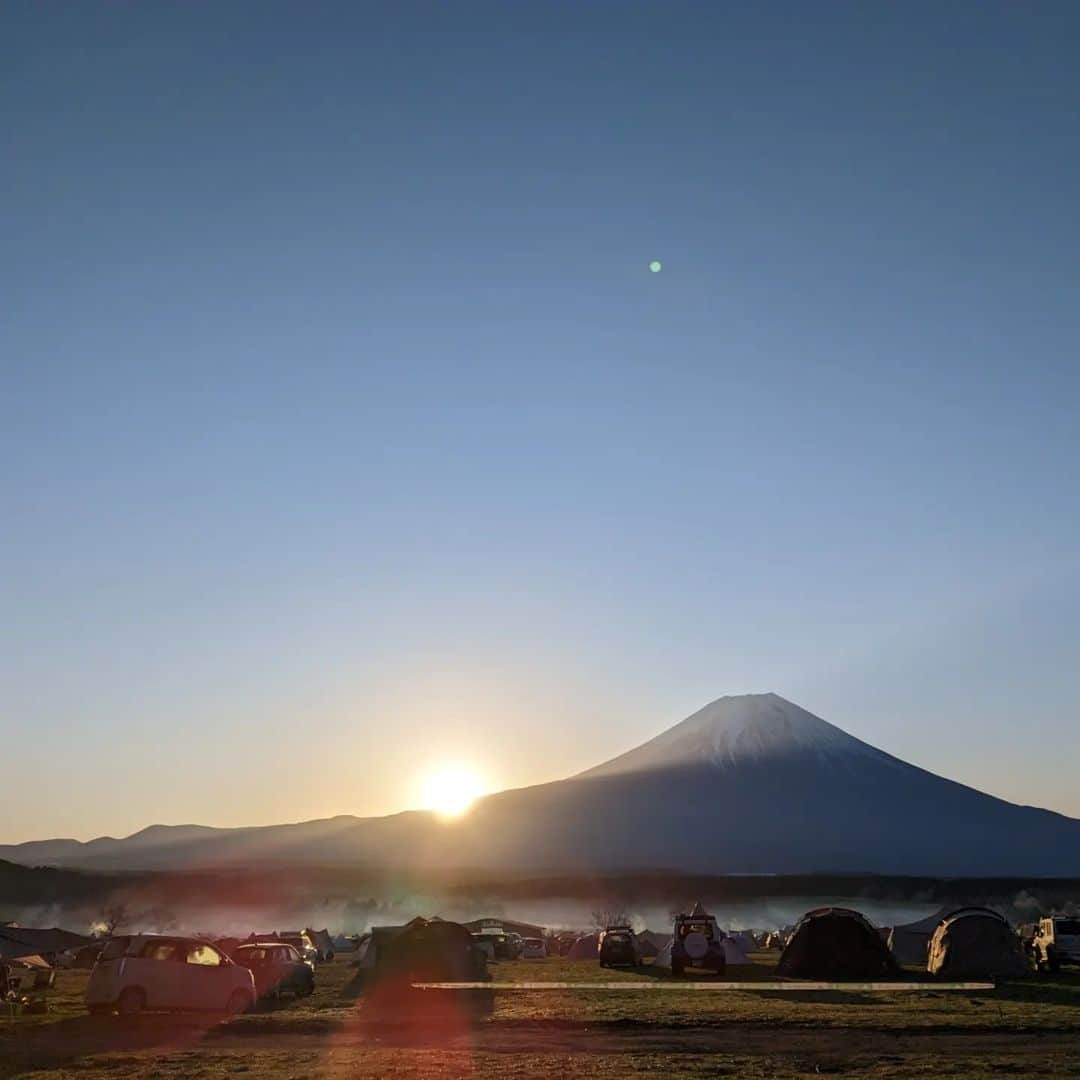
1026,1028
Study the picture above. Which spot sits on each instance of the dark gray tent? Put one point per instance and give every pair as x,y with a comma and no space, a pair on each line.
910,943
431,950
836,943
586,947
976,943
650,944
18,941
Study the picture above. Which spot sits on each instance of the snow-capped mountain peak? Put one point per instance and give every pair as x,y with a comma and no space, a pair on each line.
736,728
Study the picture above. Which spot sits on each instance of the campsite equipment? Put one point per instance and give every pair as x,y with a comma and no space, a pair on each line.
910,942
976,942
585,947
322,942
432,950
836,943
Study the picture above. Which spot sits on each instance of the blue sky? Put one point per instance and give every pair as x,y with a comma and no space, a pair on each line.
344,430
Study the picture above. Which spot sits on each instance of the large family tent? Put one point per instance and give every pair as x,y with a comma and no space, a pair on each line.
975,943
910,943
431,950
836,943
586,947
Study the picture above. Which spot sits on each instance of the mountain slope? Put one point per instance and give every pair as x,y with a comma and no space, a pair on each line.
750,784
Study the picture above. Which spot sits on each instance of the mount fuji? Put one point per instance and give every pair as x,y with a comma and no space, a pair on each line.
751,784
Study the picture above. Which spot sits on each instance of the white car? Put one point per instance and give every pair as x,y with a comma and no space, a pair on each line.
532,948
1056,942
148,971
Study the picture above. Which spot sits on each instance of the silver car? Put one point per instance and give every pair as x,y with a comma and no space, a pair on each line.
149,971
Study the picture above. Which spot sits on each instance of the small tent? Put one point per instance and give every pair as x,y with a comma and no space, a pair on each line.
587,947
321,940
735,951
975,943
909,943
836,943
649,944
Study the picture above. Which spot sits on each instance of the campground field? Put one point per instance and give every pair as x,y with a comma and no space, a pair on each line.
1027,1028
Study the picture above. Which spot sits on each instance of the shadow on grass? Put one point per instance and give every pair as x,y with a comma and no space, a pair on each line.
50,1046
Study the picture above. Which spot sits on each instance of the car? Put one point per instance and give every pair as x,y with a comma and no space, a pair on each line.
278,968
618,947
1056,942
154,972
495,943
514,944
303,945
697,941
533,948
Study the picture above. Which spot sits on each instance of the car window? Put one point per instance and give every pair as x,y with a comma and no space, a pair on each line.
291,953
161,950
252,955
206,955
1068,926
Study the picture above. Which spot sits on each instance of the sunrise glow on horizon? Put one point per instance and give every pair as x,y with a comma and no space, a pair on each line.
450,790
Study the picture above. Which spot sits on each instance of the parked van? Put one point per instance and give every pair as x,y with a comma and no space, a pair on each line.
148,971
1056,942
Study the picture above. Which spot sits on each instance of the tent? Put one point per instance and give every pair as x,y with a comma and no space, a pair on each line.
20,941
836,943
321,940
976,943
909,943
735,951
432,950
649,944
587,947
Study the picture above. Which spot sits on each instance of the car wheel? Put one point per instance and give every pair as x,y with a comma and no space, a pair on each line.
1052,961
239,1002
677,968
131,1002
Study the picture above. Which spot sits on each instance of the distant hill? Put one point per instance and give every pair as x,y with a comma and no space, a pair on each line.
748,785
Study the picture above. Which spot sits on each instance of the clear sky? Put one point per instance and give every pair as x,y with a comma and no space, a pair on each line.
344,429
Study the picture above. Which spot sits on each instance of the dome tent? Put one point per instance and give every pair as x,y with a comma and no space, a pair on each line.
976,943
836,943
586,947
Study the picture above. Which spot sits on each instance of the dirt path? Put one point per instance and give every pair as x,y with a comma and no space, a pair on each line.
165,1047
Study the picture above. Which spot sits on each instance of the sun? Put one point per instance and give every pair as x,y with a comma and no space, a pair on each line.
450,790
